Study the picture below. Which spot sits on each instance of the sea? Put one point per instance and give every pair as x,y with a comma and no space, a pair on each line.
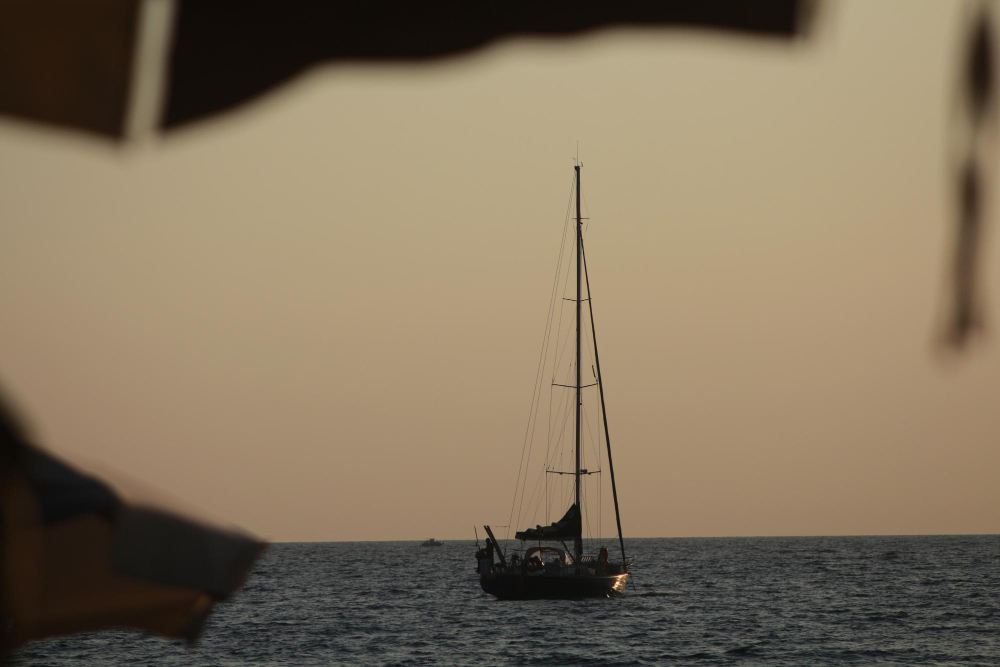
889,600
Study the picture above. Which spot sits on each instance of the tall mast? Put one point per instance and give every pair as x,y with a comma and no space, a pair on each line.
578,539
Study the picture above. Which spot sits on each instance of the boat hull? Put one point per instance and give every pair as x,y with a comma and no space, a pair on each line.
519,586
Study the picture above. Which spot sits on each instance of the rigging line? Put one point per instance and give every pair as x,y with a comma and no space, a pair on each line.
590,349
593,442
596,442
561,350
559,267
562,368
570,497
546,493
590,343
604,412
565,401
536,406
554,435
541,358
562,354
537,402
532,506
569,265
561,341
600,484
560,440
557,355
531,500
556,361
527,466
600,505
590,528
548,433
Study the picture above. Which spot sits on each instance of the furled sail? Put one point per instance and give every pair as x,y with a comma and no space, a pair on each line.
566,528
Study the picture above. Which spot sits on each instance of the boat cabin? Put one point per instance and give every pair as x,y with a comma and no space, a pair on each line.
550,560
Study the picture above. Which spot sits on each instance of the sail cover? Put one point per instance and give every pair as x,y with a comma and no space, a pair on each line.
566,528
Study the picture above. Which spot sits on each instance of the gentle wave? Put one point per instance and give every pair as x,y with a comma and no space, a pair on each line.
760,601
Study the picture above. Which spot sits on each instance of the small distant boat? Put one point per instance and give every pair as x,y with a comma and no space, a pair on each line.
431,543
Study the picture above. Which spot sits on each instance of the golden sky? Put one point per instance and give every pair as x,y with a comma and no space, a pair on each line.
319,317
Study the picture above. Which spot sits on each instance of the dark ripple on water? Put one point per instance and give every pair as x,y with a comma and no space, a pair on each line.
725,601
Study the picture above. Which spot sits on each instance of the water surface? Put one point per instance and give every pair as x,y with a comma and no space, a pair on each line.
925,600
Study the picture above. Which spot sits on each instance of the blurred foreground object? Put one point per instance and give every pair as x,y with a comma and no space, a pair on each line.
75,557
126,67
977,124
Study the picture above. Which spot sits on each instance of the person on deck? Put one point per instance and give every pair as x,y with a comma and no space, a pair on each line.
480,555
602,561
486,560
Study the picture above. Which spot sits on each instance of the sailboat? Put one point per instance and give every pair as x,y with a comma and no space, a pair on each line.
543,570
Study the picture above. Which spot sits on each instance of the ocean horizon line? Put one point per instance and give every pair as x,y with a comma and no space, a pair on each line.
646,537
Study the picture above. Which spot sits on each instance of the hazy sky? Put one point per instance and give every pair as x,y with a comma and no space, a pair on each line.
319,317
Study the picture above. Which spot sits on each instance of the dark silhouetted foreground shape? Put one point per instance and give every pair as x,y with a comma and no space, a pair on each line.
228,51
978,103
75,557
69,63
